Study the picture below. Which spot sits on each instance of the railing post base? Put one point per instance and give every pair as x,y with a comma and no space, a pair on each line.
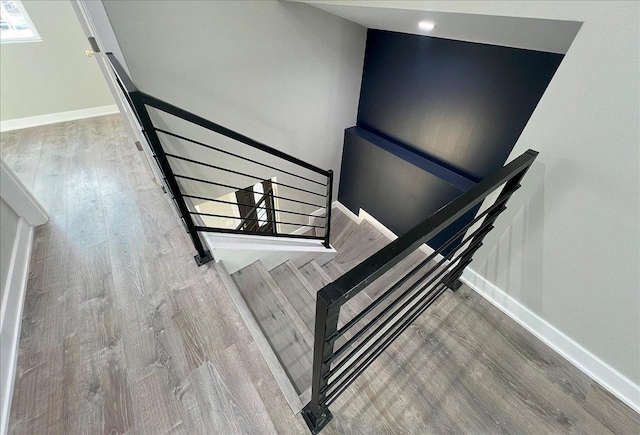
455,285
200,260
316,424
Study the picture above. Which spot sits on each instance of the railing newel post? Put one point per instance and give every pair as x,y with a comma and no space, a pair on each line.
316,414
327,220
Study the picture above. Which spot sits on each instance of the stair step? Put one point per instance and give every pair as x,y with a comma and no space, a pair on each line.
341,228
314,275
333,270
297,290
282,378
365,241
382,284
281,325
282,301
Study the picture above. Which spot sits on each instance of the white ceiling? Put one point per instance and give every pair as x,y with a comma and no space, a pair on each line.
552,36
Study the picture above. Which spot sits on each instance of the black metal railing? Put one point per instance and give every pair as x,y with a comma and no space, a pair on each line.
364,337
308,196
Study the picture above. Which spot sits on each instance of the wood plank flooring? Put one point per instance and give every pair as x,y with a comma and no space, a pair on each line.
285,337
123,333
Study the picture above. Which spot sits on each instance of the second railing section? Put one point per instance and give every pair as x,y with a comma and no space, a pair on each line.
343,350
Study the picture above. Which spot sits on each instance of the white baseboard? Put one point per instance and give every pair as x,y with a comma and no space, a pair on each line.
11,315
591,365
346,211
53,118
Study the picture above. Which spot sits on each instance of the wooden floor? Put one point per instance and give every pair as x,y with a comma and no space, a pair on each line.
123,333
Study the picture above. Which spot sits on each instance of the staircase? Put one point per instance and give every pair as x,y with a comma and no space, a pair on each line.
282,300
322,294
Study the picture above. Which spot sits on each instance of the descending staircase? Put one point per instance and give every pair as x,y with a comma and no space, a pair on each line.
323,295
283,300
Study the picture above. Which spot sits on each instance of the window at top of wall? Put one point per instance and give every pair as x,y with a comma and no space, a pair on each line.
15,25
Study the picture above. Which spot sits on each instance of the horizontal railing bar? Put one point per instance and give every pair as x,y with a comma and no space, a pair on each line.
464,258
210,125
238,156
284,198
485,227
255,233
412,272
392,305
252,219
204,198
186,159
352,282
333,395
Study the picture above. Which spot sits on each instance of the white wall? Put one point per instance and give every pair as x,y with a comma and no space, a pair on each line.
568,248
585,216
575,245
8,232
54,75
285,74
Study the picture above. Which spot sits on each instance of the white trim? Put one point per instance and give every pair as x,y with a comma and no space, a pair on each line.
616,383
53,118
19,198
11,315
240,250
346,211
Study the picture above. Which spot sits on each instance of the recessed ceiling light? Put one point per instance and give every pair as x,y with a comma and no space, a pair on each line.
426,25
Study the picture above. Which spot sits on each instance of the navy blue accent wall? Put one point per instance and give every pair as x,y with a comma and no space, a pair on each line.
461,103
395,191
435,117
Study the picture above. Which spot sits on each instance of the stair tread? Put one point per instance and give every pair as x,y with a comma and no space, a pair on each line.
333,270
316,278
273,316
379,286
295,287
341,228
360,245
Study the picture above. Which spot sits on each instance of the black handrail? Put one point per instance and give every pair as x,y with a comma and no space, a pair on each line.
334,370
139,101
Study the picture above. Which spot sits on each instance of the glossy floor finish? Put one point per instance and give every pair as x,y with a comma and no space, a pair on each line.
122,333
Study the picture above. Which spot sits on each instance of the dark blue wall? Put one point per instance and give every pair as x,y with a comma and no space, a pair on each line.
458,106
398,193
